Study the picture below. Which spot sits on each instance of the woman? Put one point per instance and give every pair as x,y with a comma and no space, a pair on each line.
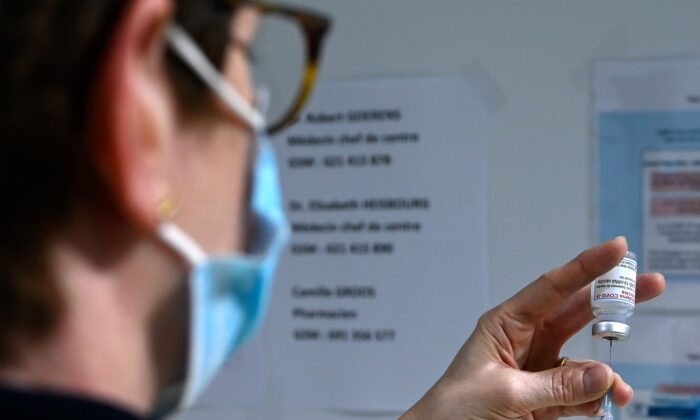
143,222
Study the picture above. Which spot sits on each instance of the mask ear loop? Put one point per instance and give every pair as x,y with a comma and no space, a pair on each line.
180,241
262,104
185,47
262,99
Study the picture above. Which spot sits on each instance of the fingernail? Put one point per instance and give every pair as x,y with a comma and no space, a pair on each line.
595,380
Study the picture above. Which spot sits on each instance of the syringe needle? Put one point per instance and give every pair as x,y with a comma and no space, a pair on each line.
608,399
607,409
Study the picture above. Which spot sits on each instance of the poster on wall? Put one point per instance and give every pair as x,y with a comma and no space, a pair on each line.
671,212
385,274
647,118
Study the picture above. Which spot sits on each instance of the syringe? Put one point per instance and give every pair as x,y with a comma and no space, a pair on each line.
608,399
612,301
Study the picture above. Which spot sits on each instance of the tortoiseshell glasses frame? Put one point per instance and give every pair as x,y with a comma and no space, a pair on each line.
314,26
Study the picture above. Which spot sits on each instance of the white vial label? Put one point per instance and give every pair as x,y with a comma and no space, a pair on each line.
618,284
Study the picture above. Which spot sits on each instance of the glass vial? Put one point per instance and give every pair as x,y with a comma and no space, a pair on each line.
612,299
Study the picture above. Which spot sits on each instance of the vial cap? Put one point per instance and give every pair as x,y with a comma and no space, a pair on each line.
611,330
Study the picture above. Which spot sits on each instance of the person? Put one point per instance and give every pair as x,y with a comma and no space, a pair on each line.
142,221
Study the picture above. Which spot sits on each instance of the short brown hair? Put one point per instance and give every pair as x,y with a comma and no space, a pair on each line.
51,50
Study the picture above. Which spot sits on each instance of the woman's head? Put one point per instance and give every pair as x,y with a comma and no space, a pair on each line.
103,123
120,165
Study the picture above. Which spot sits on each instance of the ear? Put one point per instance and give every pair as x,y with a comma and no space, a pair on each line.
131,114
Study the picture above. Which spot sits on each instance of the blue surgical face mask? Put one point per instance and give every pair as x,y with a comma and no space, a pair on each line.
229,294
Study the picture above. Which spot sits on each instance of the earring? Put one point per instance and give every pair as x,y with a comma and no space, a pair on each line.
166,208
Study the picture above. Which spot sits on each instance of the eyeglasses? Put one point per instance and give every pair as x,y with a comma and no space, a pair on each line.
284,46
284,57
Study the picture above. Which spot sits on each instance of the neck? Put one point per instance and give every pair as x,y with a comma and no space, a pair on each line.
115,312
77,359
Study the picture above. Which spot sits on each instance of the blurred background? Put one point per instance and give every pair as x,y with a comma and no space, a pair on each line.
533,61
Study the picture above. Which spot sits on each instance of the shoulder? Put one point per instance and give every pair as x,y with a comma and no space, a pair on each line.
30,404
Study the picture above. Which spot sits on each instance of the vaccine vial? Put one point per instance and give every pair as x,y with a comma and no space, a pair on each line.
612,299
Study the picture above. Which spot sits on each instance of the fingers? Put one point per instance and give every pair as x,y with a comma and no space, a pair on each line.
574,384
622,395
577,395
622,392
573,315
649,286
553,288
589,409
576,313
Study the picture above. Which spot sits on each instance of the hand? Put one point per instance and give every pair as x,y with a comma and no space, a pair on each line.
506,369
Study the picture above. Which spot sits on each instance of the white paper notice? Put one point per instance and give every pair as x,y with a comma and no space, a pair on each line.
385,275
672,212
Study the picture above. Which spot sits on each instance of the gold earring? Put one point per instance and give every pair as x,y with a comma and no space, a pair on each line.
166,208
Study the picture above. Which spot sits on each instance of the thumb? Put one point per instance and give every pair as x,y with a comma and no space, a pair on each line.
568,385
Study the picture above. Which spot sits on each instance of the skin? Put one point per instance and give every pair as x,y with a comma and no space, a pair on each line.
123,334
506,369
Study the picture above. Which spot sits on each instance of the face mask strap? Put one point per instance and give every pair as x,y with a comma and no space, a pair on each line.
185,47
262,99
182,243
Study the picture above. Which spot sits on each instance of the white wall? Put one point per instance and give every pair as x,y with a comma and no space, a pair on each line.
536,55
